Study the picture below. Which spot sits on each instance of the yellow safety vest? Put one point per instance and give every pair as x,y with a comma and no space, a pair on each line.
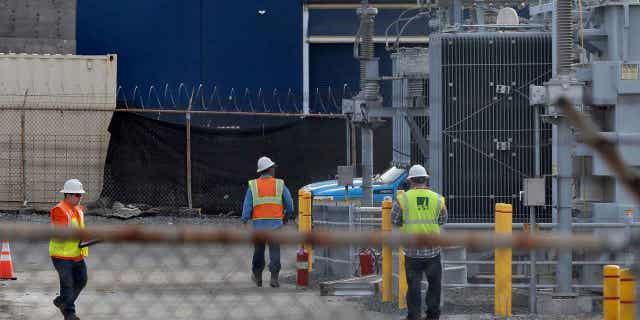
69,249
420,211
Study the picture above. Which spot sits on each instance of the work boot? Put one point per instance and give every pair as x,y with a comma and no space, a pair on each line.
59,304
257,278
71,316
274,280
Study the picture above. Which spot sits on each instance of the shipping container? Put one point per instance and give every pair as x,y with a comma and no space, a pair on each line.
54,115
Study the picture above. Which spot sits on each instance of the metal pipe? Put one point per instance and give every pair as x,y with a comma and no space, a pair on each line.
176,111
518,285
367,165
562,198
305,60
226,235
532,216
188,155
586,225
524,262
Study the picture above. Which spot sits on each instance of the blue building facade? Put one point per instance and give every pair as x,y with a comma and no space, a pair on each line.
230,44
299,48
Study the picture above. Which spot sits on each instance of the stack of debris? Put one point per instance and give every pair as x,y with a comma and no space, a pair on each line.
105,207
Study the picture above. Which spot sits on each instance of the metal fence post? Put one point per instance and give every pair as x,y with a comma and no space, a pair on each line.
387,257
188,154
503,262
23,157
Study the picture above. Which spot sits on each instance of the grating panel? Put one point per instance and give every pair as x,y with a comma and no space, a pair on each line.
487,139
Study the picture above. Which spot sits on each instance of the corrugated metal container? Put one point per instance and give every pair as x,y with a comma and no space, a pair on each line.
482,126
62,133
38,26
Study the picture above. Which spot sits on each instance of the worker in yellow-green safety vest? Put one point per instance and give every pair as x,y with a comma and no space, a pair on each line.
421,211
66,255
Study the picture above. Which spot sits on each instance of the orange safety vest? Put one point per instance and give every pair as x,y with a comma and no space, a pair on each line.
266,194
68,249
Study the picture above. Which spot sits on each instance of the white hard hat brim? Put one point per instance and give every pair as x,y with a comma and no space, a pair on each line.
420,176
71,191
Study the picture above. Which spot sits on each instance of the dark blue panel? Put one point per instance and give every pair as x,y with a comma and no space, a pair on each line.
247,49
333,65
156,41
221,43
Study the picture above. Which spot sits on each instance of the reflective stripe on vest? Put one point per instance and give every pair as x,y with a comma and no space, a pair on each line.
69,248
266,195
420,211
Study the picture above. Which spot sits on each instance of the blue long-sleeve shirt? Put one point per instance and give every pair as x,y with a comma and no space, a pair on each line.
267,224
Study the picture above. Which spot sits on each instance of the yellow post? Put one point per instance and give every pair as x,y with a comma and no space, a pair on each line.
308,225
387,256
627,295
402,280
301,211
611,292
502,267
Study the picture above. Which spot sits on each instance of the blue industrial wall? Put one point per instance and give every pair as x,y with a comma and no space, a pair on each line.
225,43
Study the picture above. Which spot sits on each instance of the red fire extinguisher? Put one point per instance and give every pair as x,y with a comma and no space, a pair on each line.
366,262
302,264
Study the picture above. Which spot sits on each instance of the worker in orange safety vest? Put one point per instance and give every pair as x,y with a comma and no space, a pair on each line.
268,203
67,255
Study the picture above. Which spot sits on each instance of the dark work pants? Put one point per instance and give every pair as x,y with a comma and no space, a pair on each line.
258,258
73,278
415,268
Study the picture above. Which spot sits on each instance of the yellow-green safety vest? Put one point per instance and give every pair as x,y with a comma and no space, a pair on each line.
69,248
420,211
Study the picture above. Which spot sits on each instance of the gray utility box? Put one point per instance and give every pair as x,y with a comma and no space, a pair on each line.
611,79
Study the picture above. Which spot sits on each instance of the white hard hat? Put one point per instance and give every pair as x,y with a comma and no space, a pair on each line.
72,186
265,163
417,171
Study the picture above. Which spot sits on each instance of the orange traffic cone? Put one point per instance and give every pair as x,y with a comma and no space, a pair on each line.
6,267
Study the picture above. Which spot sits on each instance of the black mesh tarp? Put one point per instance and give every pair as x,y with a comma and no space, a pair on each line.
146,157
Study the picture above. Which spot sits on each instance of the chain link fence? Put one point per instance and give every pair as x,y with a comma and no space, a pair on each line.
140,159
165,281
187,272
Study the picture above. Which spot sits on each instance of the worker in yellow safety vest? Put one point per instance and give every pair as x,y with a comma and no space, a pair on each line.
268,203
67,256
421,211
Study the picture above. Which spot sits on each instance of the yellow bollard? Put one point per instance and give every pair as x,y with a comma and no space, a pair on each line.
627,295
402,280
308,225
611,292
502,267
387,256
301,211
